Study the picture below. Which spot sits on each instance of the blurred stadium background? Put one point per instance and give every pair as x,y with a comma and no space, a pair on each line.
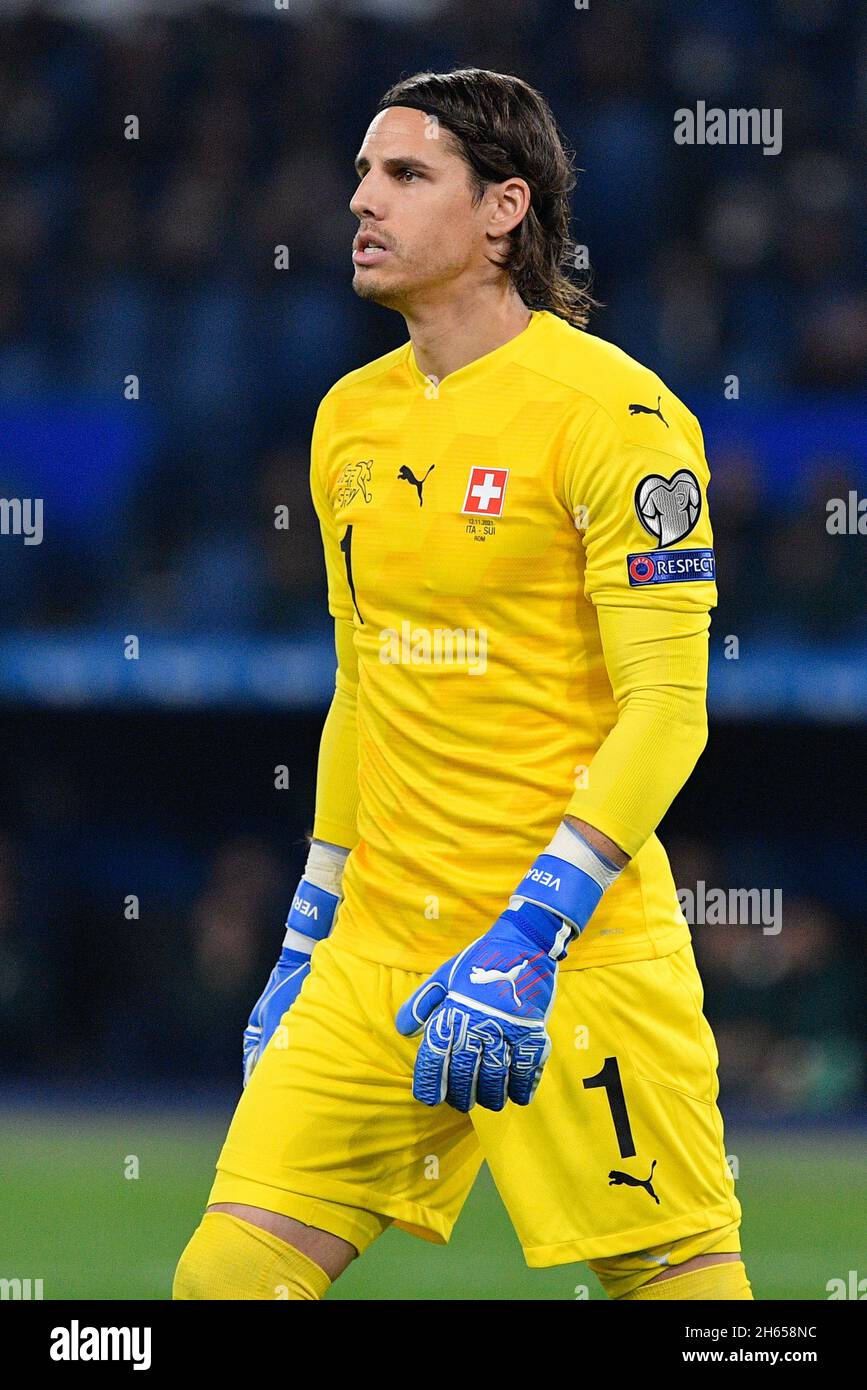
154,257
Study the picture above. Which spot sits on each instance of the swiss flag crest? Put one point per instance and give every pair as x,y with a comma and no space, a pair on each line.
486,491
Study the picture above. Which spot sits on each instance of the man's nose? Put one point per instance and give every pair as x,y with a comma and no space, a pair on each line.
365,201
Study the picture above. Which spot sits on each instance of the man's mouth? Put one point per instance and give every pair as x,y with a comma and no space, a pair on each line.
369,250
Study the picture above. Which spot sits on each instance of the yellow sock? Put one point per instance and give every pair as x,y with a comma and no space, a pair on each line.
712,1283
227,1258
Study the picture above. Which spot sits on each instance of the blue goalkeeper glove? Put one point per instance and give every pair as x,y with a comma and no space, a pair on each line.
310,920
484,1011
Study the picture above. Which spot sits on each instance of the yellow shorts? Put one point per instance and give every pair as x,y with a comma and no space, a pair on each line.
621,1148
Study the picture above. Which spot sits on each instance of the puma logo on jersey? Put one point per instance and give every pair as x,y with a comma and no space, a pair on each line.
618,1179
636,409
480,976
406,475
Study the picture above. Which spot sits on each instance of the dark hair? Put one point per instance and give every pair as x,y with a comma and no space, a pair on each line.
502,127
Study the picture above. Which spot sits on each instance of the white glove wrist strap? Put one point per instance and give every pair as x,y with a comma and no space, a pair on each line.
570,845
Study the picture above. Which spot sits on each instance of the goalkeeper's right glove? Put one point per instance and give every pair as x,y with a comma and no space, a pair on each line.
310,920
484,1012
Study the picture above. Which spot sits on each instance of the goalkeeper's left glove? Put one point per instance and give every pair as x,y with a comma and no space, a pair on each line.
484,1011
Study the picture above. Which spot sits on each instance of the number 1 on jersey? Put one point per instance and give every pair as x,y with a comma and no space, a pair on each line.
346,547
609,1080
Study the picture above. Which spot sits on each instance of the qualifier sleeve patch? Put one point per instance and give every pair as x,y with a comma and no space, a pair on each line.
669,508
670,567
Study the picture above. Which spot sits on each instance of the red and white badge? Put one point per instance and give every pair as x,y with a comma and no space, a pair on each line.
486,491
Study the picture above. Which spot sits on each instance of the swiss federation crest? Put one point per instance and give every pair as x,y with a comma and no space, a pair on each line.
668,507
354,480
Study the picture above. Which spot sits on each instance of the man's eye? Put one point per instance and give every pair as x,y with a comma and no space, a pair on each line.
404,173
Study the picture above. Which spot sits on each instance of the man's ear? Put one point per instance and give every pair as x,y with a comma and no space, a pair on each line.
511,205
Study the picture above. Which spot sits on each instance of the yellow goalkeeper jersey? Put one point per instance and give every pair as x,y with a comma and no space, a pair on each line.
476,531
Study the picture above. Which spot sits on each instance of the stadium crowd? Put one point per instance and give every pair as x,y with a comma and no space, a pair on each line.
155,256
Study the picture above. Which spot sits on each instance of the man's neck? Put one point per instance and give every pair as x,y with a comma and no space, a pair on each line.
448,337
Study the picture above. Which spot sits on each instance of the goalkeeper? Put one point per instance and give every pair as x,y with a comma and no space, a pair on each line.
486,959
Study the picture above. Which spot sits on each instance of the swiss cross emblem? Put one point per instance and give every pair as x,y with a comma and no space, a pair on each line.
486,490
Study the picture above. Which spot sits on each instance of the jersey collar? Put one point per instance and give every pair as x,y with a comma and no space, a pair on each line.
474,371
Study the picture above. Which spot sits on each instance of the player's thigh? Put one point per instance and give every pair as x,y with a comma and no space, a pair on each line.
332,1253
327,1131
622,1146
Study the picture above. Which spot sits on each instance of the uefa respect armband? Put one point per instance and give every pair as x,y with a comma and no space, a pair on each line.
670,567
